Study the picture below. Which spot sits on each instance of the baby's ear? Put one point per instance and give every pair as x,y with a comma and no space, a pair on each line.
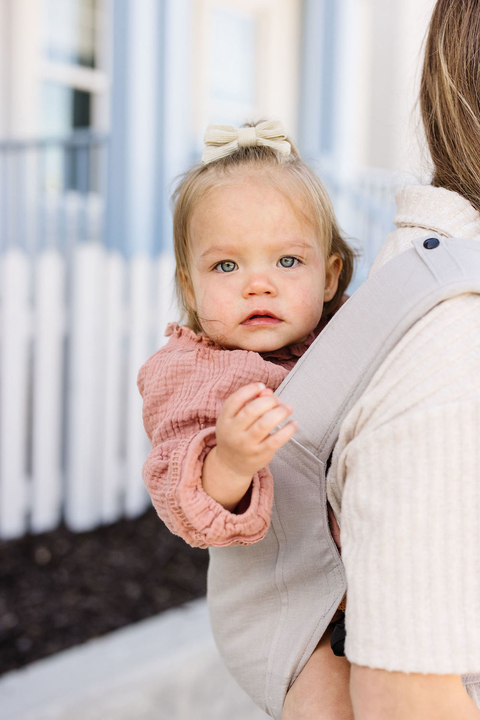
333,268
186,283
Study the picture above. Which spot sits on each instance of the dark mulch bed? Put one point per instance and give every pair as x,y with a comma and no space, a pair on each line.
61,588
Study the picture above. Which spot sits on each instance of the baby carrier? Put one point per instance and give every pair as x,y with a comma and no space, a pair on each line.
271,602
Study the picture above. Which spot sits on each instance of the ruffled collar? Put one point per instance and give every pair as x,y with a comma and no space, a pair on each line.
185,336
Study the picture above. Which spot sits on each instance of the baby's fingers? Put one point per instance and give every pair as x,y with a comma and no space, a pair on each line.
235,402
269,420
275,441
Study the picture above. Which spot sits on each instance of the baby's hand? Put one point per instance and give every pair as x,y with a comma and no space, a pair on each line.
245,442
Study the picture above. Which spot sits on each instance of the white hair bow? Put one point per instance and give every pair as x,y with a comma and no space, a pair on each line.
223,140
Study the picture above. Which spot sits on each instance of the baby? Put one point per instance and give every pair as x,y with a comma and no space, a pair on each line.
260,268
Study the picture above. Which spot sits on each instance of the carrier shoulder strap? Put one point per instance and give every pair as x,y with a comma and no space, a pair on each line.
270,602
365,330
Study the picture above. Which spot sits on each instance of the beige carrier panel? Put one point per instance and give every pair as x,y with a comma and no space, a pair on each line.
271,602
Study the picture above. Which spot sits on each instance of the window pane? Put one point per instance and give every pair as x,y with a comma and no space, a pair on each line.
81,103
232,86
71,31
63,109
233,57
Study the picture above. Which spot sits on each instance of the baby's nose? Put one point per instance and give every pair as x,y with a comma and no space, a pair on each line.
260,285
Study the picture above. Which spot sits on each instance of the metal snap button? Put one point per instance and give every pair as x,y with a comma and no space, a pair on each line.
431,243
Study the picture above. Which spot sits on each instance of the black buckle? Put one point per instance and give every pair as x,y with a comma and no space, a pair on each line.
337,640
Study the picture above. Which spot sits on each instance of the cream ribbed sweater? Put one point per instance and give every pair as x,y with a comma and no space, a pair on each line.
405,477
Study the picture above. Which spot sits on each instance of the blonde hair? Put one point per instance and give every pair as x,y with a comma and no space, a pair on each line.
450,96
279,170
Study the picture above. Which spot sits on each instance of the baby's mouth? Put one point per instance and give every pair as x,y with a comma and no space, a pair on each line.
261,318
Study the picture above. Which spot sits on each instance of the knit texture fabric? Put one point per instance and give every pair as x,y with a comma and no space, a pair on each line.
405,477
184,386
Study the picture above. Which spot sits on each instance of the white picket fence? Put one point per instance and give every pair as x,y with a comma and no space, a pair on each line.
75,327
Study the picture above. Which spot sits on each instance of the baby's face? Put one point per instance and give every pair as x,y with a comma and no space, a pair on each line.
258,275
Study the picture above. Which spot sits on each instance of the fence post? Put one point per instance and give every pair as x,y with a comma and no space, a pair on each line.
140,335
14,385
113,485
48,388
86,388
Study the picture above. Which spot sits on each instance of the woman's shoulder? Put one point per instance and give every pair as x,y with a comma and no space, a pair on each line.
450,327
436,363
431,376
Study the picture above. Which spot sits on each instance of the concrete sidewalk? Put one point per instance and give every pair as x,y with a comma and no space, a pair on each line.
163,668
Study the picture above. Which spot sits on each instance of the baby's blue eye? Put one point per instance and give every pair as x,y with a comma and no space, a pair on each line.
227,266
287,262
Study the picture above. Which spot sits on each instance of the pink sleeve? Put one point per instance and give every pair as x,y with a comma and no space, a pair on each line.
173,476
184,386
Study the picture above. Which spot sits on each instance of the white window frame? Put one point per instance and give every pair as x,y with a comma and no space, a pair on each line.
92,80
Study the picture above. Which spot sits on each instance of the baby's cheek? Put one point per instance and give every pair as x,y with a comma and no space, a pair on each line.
217,314
313,307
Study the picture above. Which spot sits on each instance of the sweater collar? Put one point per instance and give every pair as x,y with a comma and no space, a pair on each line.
436,209
423,209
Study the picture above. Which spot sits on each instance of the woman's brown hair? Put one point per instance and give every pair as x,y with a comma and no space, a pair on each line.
450,96
288,174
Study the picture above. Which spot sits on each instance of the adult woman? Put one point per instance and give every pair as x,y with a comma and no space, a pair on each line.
405,477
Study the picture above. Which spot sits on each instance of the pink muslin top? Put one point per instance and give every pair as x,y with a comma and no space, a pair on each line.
184,386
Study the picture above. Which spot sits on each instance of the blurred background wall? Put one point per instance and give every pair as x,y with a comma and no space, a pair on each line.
102,104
